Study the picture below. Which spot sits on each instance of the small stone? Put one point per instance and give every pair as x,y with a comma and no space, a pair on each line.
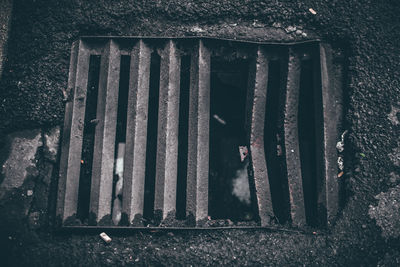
299,32
197,29
277,25
290,29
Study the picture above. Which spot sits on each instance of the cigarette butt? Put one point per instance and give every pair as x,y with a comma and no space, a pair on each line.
312,11
219,119
340,174
105,237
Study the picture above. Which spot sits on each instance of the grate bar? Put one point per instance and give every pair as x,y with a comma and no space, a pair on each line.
331,188
259,85
65,145
73,159
104,145
136,133
198,150
168,126
296,198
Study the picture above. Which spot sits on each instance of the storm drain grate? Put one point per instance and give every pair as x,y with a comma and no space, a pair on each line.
147,129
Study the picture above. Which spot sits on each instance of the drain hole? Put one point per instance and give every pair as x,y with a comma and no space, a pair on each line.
308,129
88,139
229,194
273,143
120,139
152,127
183,138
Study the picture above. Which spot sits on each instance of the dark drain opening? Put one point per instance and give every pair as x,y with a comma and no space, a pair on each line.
152,127
229,194
88,139
308,129
183,138
273,143
120,139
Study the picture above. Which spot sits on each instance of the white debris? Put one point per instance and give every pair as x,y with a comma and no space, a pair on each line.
340,163
290,29
243,151
29,193
312,11
241,185
340,146
393,115
105,237
219,119
119,172
197,29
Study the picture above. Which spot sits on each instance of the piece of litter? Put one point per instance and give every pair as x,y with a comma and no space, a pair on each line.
312,11
219,119
82,161
105,237
340,163
340,174
243,151
340,146
362,155
29,193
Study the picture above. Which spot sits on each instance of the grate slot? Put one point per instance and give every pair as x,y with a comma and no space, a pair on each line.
183,137
308,129
273,146
259,167
168,130
198,151
120,139
297,210
136,133
89,130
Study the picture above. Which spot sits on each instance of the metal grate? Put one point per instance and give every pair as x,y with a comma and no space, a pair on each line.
292,61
